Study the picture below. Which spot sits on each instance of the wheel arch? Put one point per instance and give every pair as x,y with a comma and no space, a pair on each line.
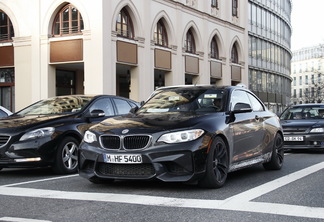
222,136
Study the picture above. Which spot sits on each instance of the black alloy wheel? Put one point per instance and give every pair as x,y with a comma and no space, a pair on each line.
217,165
277,157
67,156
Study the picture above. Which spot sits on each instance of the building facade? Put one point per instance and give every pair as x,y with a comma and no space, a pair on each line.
308,75
269,51
119,47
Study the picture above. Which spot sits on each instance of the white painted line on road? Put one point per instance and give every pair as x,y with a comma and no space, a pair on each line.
275,184
241,202
41,180
234,204
17,219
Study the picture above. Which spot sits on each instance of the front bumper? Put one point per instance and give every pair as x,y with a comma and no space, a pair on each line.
310,141
183,162
30,153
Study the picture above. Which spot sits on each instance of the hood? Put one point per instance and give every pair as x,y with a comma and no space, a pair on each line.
16,122
150,122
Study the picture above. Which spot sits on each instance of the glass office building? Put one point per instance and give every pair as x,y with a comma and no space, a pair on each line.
269,51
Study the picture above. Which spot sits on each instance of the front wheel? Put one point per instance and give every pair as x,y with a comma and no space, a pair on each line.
277,157
217,165
67,156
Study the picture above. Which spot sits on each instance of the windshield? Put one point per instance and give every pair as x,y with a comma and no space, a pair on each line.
306,112
57,105
184,100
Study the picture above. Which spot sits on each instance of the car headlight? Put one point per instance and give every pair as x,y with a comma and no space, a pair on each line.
317,130
38,133
181,136
89,137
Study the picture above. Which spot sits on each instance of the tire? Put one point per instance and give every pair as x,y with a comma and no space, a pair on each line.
66,161
217,165
277,157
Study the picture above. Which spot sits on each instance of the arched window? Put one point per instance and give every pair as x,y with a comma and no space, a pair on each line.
68,22
124,25
160,34
234,55
6,29
190,42
214,49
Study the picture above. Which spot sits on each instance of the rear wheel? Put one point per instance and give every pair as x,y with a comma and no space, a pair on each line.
277,157
217,165
67,156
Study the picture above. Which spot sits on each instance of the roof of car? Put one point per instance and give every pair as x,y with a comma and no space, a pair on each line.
198,87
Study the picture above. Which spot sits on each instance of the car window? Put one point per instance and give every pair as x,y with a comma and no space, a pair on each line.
57,105
123,106
3,114
185,100
303,112
239,96
104,105
256,105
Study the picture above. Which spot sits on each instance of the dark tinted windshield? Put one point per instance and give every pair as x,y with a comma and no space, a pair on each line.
185,100
303,112
57,105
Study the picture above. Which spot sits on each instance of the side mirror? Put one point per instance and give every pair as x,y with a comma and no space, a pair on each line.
242,108
96,113
133,110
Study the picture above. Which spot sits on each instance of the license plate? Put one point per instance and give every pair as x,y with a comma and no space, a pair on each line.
123,158
294,138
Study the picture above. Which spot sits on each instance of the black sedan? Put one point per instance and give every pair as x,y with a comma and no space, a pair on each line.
303,126
48,133
184,134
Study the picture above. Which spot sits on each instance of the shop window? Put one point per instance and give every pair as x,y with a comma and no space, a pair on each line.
124,25
6,29
68,22
7,88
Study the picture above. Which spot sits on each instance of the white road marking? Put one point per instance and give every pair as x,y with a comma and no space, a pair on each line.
41,180
17,219
241,202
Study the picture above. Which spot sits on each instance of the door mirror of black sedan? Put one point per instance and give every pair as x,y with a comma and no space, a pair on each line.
133,110
96,113
242,108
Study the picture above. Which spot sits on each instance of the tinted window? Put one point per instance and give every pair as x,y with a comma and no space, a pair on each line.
105,105
57,105
304,112
123,106
3,114
239,96
256,105
185,100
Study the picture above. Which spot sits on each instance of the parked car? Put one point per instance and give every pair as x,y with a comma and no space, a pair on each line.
184,134
303,126
4,112
48,132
